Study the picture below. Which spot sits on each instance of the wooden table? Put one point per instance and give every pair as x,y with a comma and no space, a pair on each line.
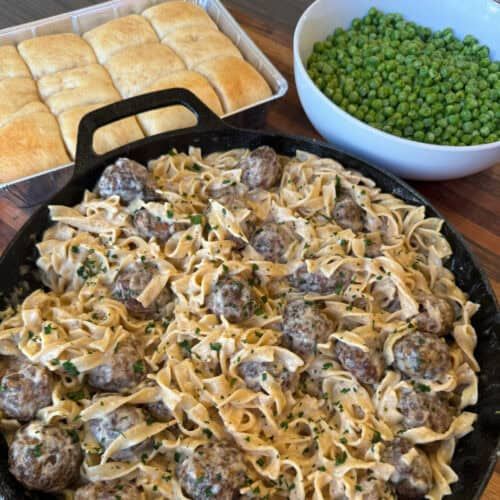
472,205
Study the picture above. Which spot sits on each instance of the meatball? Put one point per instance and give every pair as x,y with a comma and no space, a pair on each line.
424,409
44,457
254,372
109,490
127,179
413,480
348,214
436,315
367,366
261,168
304,326
317,282
159,411
121,369
131,282
270,241
112,425
25,389
149,226
422,355
372,488
232,299
213,470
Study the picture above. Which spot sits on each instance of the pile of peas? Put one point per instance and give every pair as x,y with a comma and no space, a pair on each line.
408,81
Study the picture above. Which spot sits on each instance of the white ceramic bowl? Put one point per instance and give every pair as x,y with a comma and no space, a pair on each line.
409,159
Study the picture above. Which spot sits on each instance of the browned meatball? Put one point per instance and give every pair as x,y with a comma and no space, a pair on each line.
25,389
109,490
159,411
304,326
424,409
149,226
213,470
255,372
367,366
422,355
44,457
261,168
347,213
131,282
436,315
411,481
232,299
112,425
127,179
270,241
122,369
317,282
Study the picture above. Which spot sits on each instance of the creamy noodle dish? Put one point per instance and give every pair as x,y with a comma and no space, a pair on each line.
238,325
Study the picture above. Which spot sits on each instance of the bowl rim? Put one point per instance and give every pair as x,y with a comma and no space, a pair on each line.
403,141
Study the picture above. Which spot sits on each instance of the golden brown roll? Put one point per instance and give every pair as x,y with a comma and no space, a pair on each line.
170,16
177,117
119,34
196,44
14,94
89,84
12,64
30,142
237,83
52,53
106,138
136,68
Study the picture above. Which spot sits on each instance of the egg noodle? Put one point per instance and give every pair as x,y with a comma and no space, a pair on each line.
296,445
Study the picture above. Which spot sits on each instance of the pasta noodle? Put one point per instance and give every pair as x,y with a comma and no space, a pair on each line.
321,432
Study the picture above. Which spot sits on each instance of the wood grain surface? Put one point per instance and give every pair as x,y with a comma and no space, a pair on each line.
472,204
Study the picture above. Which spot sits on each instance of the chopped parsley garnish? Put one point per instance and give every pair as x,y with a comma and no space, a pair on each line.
75,249
340,458
215,346
422,388
75,438
89,269
70,368
376,437
170,214
260,462
185,345
47,329
37,450
76,395
177,457
196,219
138,367
327,366
208,433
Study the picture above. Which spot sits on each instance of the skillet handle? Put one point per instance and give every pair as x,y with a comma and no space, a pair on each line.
87,158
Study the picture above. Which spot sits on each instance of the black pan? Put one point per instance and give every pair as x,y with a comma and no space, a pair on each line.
475,455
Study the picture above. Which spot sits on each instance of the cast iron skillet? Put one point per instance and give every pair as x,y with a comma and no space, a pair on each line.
475,455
